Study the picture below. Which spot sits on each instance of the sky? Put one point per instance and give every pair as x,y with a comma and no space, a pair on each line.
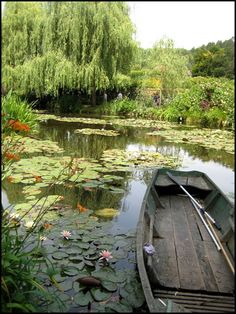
188,23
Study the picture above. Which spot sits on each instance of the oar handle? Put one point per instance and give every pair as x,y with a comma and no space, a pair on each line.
172,178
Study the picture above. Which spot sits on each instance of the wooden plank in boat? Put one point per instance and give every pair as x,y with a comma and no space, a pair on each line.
197,301
164,180
206,270
223,275
202,229
165,264
198,182
189,269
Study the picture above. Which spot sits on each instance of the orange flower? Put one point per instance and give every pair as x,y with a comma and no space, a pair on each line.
81,208
18,126
38,178
11,156
47,225
10,179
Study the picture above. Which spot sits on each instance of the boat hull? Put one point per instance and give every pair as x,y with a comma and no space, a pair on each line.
186,261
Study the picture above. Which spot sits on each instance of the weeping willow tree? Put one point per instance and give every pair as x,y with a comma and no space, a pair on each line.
52,47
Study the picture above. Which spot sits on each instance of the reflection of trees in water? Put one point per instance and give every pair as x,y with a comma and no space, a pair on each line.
92,146
197,151
143,174
14,192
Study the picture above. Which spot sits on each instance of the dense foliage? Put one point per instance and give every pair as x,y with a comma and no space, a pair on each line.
205,101
15,109
209,101
70,54
163,68
53,47
214,59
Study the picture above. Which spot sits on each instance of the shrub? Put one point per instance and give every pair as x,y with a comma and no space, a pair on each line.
207,101
13,108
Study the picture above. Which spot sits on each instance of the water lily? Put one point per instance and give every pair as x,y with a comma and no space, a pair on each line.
14,216
42,238
105,255
66,234
29,224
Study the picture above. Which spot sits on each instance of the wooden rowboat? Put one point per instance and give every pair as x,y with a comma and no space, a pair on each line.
187,272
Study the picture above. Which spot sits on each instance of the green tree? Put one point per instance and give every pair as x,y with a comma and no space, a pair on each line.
170,66
69,46
214,59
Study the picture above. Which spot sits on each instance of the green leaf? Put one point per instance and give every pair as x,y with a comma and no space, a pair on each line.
110,286
100,295
59,255
83,299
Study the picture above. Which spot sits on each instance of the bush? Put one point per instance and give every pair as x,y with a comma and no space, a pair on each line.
207,101
13,108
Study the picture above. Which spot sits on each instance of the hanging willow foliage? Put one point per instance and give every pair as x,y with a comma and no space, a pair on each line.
52,46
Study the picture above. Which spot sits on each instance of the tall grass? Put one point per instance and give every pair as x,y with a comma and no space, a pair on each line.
13,108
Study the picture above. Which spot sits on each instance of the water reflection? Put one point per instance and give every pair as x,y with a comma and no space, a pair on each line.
92,146
218,165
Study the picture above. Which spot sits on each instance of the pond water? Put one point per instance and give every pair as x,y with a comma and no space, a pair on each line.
217,164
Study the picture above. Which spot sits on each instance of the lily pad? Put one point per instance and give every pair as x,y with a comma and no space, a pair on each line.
59,255
66,285
110,286
107,274
83,299
119,307
97,132
100,295
107,212
70,271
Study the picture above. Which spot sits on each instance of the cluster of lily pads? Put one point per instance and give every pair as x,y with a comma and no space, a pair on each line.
86,265
38,172
103,132
205,137
171,131
133,122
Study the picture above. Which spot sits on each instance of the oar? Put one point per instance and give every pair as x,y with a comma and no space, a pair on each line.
193,199
206,225
222,247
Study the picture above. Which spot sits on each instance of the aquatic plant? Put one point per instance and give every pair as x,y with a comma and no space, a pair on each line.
105,255
66,234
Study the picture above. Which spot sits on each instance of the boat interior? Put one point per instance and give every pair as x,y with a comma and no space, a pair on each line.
186,266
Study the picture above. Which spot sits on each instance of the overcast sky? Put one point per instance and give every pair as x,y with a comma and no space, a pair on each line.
190,24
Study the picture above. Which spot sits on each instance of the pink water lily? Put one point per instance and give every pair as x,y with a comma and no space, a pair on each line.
105,255
66,234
